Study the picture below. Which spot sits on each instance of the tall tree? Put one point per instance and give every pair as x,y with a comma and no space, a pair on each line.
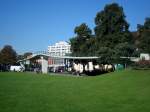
79,42
110,20
8,55
144,36
111,30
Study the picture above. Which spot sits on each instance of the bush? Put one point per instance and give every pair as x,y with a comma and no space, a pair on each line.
142,64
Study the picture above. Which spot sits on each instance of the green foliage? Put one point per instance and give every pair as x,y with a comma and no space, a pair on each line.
112,34
90,46
110,20
74,46
20,57
8,55
125,49
83,31
144,36
80,43
112,38
142,65
105,54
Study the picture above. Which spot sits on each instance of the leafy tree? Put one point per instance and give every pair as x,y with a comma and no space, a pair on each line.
83,31
112,32
79,43
105,54
20,57
74,46
144,36
8,55
125,50
91,46
112,38
110,20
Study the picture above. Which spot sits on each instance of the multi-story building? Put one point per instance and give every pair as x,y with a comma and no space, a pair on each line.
59,49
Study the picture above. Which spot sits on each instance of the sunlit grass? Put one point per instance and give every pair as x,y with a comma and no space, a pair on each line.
122,91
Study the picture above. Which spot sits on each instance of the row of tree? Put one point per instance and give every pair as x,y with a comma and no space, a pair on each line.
8,55
112,38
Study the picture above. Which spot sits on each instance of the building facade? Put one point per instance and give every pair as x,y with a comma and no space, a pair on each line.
59,49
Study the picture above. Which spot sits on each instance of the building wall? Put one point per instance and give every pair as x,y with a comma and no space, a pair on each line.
59,49
55,62
145,56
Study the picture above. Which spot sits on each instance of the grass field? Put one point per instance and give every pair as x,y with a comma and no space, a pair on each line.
122,91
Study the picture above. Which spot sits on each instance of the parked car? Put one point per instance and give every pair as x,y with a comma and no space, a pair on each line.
17,68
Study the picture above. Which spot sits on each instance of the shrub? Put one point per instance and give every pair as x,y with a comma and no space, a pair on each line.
142,64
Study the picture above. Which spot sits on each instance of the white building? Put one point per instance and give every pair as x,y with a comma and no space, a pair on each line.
145,56
59,49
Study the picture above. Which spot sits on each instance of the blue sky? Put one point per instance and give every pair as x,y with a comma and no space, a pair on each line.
32,25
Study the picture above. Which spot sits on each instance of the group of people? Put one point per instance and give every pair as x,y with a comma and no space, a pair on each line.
79,68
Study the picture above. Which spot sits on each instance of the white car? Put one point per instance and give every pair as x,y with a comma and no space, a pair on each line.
16,68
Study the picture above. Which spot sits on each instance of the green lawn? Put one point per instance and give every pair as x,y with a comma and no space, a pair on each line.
122,91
